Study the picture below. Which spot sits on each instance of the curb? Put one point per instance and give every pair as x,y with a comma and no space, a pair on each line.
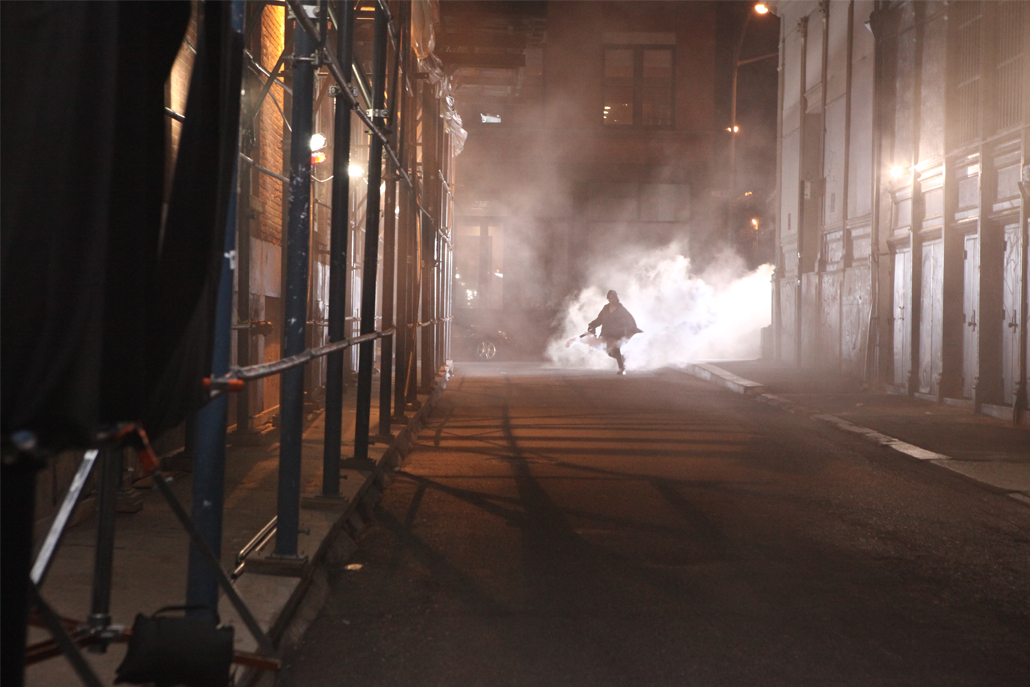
306,600
717,375
723,378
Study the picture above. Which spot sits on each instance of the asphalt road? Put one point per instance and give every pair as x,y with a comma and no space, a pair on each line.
575,528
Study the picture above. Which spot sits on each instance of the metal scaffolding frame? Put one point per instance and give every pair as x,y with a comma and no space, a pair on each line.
413,223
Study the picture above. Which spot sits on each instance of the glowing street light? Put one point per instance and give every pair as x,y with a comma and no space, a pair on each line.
734,128
317,142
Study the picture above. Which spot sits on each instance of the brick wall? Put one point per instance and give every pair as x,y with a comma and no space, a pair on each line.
176,92
268,190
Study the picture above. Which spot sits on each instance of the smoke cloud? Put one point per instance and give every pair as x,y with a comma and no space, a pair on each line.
685,317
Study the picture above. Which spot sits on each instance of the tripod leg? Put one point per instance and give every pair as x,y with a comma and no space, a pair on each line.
64,640
18,487
109,477
214,564
53,537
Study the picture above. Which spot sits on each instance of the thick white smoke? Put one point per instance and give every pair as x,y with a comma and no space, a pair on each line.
686,317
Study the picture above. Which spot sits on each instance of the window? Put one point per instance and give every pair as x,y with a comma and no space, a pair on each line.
479,263
1010,49
967,91
989,86
638,86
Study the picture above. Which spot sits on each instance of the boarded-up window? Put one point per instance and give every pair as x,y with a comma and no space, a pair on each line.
967,77
1010,70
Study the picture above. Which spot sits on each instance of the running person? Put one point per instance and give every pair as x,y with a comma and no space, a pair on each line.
617,326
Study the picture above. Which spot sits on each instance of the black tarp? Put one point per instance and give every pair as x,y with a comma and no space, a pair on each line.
104,316
104,319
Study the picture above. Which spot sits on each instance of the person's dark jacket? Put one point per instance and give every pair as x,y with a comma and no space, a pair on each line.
615,322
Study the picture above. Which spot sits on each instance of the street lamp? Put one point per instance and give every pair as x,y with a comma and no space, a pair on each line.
734,128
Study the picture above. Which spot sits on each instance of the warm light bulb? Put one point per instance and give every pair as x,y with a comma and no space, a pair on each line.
762,8
355,171
897,172
317,142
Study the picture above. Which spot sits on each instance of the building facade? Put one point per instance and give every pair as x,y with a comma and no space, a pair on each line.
902,226
592,127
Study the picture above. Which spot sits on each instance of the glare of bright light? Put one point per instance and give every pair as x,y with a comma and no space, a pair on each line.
318,157
317,142
498,274
747,193
382,188
761,8
457,276
733,129
754,223
356,171
897,172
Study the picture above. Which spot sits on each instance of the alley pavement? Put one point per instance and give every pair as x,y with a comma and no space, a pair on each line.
151,546
992,452
561,527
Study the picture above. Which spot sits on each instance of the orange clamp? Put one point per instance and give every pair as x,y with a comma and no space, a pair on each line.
231,385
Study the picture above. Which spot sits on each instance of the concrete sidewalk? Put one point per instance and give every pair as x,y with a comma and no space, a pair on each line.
151,546
992,452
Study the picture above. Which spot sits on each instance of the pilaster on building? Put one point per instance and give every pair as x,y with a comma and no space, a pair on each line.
902,230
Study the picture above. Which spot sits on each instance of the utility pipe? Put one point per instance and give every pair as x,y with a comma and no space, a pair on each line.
873,339
849,245
803,107
1019,407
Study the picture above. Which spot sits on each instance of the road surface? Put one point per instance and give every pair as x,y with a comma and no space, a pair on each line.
559,527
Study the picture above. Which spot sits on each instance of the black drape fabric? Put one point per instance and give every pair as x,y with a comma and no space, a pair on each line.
180,332
105,318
